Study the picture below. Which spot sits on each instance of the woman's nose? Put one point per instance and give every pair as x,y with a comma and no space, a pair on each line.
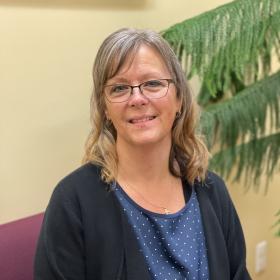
137,98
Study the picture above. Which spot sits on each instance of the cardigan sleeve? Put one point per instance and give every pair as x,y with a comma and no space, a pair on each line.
60,249
233,233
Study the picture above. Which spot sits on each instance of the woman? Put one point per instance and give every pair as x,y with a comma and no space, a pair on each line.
143,206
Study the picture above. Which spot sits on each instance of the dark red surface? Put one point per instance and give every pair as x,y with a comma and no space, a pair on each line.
17,247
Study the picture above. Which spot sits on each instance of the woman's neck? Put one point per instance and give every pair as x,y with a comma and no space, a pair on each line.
144,164
143,173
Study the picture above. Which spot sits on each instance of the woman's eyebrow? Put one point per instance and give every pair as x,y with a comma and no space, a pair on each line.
143,78
117,80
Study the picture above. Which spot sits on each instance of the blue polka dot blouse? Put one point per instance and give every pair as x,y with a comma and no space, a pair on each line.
173,245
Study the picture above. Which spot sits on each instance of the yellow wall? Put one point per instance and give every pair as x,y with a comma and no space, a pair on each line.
46,54
257,213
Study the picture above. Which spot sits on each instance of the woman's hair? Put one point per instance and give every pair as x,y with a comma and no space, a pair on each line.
188,152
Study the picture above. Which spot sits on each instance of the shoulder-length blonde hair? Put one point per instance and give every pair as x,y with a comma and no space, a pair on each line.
187,151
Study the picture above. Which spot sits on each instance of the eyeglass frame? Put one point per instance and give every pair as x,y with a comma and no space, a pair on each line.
169,81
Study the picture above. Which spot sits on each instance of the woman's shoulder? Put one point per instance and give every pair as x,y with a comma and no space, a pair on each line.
213,182
83,174
78,193
214,188
81,181
212,179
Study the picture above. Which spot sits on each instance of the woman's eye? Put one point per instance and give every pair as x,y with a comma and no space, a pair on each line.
120,88
153,83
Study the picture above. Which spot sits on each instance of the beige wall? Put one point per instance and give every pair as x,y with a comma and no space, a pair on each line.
46,54
257,213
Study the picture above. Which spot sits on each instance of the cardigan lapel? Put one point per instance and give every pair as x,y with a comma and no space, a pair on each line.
136,267
132,264
215,243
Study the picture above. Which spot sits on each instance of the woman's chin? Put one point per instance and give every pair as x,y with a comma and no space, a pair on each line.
149,140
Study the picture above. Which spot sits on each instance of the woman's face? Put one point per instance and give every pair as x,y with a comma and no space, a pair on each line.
139,120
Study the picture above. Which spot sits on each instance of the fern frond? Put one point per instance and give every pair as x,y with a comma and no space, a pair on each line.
235,38
205,98
243,115
252,159
277,224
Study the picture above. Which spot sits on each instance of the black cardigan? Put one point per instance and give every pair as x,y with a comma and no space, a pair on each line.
86,236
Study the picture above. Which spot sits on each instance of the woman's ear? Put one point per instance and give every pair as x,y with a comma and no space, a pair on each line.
179,105
107,115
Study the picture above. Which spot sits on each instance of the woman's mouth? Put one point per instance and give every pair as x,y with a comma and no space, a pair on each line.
142,119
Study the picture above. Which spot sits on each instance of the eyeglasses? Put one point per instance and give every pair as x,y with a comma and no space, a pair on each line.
152,89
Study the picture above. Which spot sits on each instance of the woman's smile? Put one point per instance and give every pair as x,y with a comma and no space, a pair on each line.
142,119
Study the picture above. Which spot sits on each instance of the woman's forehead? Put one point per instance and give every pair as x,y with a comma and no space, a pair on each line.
119,59
148,58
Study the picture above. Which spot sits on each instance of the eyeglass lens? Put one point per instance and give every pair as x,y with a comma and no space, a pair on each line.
151,89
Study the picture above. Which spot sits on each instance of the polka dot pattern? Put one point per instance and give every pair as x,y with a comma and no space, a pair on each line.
173,245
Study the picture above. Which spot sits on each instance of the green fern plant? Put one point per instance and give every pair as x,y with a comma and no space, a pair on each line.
278,224
230,48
